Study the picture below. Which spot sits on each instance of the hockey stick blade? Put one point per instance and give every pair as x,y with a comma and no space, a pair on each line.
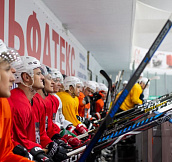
128,87
105,75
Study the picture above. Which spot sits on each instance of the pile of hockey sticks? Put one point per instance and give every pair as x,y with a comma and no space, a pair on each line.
138,126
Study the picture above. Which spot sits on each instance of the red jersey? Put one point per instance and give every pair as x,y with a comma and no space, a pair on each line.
6,145
23,128
40,120
52,105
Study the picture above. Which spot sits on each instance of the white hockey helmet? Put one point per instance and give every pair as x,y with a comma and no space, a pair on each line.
144,80
56,74
9,55
29,64
44,70
102,87
91,85
125,82
96,84
71,81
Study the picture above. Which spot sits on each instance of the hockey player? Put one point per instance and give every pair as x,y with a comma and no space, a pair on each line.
58,81
84,100
59,117
132,99
125,82
8,57
42,111
145,83
103,92
25,129
70,102
52,104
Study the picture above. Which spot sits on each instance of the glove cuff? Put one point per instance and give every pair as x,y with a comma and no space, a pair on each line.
52,149
36,150
56,136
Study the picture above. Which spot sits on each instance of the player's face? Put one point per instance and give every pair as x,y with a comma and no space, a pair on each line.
105,94
6,79
88,91
78,89
142,85
38,79
49,84
57,85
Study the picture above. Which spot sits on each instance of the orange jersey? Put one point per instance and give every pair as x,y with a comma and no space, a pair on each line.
6,145
99,105
82,107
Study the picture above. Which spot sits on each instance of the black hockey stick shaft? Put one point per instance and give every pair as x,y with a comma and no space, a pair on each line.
109,86
133,79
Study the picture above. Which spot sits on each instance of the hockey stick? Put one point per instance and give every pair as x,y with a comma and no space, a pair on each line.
117,78
120,79
135,128
85,134
117,83
158,107
128,87
159,104
109,86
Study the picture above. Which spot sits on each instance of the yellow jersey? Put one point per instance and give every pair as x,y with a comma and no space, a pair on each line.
69,107
132,98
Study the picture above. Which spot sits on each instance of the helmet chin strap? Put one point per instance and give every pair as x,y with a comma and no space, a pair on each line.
45,93
72,93
30,86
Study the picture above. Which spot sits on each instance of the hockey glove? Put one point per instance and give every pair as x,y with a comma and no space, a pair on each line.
89,124
56,136
56,152
81,119
39,155
52,149
73,141
63,142
71,128
81,129
97,115
94,121
20,150
61,154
